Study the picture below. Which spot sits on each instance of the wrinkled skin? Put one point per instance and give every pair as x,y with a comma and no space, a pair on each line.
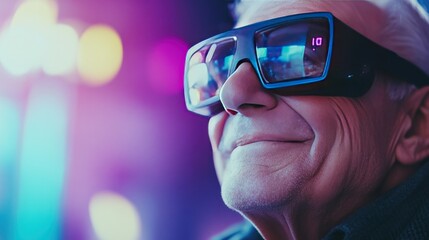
296,165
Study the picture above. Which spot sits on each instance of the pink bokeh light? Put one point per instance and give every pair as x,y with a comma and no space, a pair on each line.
165,65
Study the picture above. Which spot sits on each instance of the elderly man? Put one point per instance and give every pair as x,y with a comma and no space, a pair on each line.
319,118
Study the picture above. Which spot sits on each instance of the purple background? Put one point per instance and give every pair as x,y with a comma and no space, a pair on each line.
132,136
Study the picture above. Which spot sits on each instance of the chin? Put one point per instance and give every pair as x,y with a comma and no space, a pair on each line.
252,193
251,185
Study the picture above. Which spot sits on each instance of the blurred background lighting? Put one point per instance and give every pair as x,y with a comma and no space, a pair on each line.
60,57
62,138
100,54
9,141
166,65
19,50
42,162
35,13
9,129
114,217
23,43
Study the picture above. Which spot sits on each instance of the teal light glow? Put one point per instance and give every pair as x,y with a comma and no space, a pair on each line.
227,62
9,129
42,163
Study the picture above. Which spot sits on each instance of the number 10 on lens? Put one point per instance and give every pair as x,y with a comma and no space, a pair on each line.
316,41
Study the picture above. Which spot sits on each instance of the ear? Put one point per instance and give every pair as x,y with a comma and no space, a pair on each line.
413,144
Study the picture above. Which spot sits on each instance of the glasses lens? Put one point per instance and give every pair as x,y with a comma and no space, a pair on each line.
293,51
208,69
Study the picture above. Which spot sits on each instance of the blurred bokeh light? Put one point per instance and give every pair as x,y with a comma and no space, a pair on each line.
60,57
100,54
24,41
114,217
96,142
166,65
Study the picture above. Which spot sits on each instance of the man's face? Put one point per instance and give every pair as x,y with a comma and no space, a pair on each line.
273,150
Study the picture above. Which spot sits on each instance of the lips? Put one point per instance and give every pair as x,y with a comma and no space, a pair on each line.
259,138
254,139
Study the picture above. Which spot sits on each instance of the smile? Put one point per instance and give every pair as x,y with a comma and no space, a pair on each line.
244,141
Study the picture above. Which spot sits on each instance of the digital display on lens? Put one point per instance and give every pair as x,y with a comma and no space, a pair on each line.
294,50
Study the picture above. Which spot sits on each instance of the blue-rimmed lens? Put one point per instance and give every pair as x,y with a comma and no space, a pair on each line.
287,52
295,50
208,69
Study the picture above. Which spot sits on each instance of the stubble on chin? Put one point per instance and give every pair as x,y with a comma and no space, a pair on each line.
259,188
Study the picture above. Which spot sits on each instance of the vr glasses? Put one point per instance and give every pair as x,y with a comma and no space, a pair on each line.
304,54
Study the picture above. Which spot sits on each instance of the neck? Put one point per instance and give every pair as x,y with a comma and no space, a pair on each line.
289,225
309,220
314,220
295,224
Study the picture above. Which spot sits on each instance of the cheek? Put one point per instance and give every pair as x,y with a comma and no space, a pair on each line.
322,117
343,135
216,126
337,122
342,145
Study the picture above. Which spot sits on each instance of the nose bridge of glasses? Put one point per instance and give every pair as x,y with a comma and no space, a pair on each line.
245,51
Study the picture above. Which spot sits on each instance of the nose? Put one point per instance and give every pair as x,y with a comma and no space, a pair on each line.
243,94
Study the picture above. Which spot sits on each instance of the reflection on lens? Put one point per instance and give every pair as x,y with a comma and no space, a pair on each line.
293,51
196,58
283,62
198,75
208,69
194,96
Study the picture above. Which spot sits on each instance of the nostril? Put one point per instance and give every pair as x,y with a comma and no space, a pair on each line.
251,105
231,112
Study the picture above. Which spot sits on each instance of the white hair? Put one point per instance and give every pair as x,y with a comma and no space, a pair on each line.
407,31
